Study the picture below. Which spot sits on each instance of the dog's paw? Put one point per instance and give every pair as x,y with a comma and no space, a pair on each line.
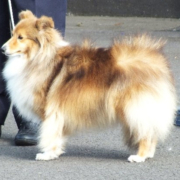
150,155
45,156
136,158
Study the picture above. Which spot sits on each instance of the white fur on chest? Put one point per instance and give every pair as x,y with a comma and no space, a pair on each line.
18,86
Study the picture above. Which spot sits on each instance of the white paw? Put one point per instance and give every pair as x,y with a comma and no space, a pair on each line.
136,158
150,155
46,156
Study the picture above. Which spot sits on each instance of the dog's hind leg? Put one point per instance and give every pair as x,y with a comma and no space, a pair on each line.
146,149
51,137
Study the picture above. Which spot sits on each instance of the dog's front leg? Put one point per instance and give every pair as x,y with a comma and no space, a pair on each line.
51,141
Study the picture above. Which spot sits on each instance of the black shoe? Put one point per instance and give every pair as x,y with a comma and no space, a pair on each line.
177,120
27,134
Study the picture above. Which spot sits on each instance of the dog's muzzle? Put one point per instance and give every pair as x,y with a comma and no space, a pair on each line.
3,47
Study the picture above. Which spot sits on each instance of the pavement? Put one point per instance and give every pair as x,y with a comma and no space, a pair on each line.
100,155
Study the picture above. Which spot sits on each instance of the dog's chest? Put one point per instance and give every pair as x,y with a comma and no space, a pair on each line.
19,87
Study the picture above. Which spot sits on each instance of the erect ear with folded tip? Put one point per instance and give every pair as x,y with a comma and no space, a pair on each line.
44,22
26,14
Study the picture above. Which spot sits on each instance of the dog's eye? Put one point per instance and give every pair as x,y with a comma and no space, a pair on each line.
20,37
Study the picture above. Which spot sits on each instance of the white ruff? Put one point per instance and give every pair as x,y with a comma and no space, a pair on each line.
19,88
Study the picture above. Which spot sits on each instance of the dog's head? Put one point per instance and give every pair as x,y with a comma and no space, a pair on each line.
31,35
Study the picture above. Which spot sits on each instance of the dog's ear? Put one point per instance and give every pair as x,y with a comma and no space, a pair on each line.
44,22
26,14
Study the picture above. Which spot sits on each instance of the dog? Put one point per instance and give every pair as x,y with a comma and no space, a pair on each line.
72,87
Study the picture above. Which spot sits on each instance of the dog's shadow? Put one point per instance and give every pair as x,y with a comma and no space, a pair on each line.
94,152
9,149
29,152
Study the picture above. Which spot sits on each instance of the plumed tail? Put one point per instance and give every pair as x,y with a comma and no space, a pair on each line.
142,41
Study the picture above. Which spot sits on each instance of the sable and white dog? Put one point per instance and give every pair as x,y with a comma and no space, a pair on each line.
70,87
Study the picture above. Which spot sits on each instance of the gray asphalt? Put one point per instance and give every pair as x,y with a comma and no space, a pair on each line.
98,155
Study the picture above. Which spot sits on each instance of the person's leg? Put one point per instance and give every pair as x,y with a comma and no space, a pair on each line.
27,134
4,107
55,9
28,130
5,35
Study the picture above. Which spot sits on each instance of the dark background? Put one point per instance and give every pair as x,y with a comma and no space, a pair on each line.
125,8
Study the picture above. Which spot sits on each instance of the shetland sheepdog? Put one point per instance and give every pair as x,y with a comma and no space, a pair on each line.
71,87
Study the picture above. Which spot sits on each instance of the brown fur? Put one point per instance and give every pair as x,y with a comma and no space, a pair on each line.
89,86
